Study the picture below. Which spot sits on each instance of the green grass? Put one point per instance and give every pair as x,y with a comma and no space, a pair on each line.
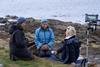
37,62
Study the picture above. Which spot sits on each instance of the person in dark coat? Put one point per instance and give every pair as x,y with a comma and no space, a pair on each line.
18,42
70,49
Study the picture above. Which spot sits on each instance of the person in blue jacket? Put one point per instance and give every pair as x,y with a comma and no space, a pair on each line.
18,42
44,39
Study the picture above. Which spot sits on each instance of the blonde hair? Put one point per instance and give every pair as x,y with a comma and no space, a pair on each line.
70,31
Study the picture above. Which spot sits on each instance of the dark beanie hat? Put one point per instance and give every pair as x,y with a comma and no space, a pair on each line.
21,20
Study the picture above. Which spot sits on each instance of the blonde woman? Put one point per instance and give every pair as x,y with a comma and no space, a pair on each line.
70,50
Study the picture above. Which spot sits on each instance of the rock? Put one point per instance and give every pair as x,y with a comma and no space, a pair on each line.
30,36
30,19
3,20
11,17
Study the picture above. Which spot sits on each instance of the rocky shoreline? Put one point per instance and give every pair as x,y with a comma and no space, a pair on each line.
57,25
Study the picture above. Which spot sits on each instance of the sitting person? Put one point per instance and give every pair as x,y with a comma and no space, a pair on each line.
18,42
70,49
44,39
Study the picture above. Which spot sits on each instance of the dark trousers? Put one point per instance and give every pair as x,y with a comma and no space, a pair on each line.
17,54
42,53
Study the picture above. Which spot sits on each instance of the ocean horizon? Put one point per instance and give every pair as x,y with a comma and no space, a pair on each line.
65,10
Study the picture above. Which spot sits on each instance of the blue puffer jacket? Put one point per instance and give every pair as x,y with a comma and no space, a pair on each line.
44,37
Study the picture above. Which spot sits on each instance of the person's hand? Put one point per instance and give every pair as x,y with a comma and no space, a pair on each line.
45,47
